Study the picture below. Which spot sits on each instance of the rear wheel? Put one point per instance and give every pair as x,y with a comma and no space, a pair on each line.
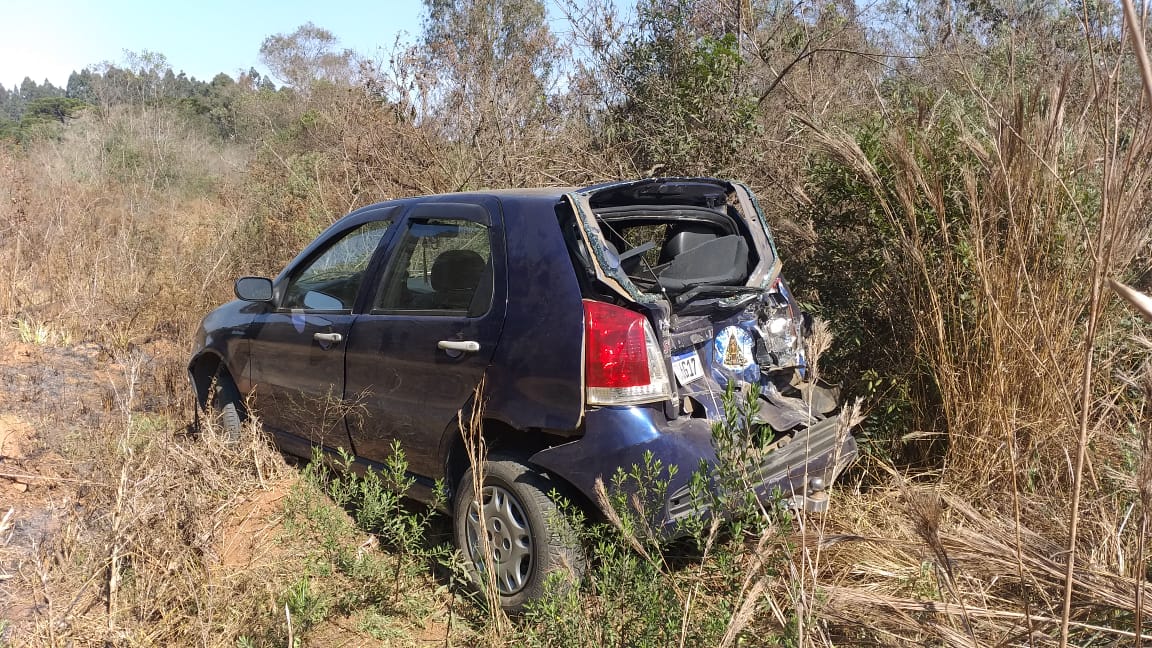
516,530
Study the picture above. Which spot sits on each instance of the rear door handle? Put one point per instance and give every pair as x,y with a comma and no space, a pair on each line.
470,346
331,338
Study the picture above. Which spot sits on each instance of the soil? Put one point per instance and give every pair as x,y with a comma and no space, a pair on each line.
248,538
51,401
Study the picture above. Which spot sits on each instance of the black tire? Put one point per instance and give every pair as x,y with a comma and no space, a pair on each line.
228,406
530,538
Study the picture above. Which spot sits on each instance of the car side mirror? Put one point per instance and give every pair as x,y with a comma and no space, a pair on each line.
254,289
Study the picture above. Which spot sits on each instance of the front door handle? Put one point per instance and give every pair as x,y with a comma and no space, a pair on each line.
331,338
470,346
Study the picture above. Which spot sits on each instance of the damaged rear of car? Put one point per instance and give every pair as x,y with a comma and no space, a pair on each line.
684,302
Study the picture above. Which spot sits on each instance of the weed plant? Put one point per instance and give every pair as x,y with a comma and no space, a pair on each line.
375,555
720,578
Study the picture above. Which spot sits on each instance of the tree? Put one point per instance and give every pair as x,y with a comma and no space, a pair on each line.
492,33
487,68
146,74
28,89
57,109
6,98
674,88
307,55
80,86
178,86
138,81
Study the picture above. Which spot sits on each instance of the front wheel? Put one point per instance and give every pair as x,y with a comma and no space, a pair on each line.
226,403
515,529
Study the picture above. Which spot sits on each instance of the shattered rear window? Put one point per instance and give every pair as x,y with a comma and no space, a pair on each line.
676,238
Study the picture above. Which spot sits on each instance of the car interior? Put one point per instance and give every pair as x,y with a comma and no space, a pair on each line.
673,248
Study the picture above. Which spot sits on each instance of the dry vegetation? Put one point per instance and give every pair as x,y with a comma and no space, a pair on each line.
952,192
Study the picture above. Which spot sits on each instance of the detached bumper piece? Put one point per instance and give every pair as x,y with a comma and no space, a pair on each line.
798,467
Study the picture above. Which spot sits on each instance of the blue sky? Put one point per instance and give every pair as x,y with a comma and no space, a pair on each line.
45,39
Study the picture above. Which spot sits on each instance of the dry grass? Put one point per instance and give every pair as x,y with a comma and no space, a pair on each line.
472,432
136,524
996,247
1007,227
922,564
136,531
122,232
1007,218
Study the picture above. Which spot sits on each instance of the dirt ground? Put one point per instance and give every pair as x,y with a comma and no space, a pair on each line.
52,402
49,397
69,415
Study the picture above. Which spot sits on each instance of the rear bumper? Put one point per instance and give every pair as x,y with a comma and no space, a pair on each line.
798,467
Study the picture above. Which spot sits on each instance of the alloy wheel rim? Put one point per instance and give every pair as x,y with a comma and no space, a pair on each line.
500,518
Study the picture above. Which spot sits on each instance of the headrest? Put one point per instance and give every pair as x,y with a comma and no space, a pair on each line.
457,270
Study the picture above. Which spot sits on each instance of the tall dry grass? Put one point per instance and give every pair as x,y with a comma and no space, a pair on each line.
1007,219
122,230
997,231
118,233
137,518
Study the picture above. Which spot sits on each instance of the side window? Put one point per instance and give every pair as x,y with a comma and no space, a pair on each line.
330,281
442,267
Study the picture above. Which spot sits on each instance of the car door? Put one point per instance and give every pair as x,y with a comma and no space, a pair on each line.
415,357
298,347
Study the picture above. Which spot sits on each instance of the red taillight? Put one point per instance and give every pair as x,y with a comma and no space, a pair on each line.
623,364
616,352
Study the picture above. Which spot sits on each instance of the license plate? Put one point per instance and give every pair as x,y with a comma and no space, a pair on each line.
686,366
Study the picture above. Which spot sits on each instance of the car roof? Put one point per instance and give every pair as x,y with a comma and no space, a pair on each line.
532,192
535,193
504,195
557,192
529,192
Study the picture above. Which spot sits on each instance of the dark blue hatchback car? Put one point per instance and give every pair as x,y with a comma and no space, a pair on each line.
602,323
